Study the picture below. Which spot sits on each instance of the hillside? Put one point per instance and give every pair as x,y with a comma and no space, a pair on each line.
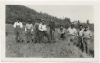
24,13
56,49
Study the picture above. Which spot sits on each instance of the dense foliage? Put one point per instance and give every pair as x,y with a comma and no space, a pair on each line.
24,13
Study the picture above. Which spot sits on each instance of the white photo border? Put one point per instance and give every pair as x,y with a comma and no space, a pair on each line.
96,30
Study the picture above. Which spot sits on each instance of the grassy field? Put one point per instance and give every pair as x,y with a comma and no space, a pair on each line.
58,49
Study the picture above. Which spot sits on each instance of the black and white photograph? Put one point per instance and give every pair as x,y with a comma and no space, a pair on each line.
49,31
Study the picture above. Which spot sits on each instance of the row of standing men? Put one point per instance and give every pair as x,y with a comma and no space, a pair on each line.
40,30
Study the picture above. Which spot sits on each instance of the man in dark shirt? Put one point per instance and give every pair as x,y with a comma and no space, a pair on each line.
52,29
36,30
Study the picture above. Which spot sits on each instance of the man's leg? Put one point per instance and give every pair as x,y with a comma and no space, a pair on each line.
50,34
16,36
85,45
41,35
62,35
19,38
46,34
80,42
37,37
30,36
88,43
27,36
69,38
53,35
20,35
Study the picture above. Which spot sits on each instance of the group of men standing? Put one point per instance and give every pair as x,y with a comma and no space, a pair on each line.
83,34
39,30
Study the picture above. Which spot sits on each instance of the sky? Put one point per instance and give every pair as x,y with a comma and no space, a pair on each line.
74,12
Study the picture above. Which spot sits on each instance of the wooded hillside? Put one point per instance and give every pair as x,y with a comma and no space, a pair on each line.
24,13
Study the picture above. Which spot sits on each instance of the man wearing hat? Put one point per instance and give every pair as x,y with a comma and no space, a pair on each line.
72,33
61,32
52,29
18,30
80,37
86,38
43,31
36,30
28,30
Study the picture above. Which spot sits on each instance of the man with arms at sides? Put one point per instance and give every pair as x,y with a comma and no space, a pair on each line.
36,30
28,30
80,37
43,31
86,38
61,32
52,29
18,30
72,33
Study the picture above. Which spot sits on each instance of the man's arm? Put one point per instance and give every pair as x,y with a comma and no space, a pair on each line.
21,25
32,27
45,28
68,31
54,26
14,25
76,32
63,30
25,27
90,34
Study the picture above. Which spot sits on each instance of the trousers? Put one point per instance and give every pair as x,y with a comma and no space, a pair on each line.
71,38
42,34
86,43
80,43
29,35
51,34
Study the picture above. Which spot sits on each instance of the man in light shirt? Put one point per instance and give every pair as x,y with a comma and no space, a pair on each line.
86,38
61,32
43,31
72,33
18,30
28,30
80,38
